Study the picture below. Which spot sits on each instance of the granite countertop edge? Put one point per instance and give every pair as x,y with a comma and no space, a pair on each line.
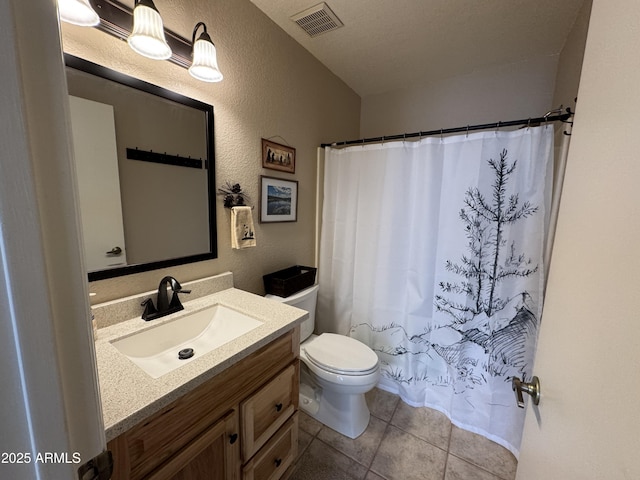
129,395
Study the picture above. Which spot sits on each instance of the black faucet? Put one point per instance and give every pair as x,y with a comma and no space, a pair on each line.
165,307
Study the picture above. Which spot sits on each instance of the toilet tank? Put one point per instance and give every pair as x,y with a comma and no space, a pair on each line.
306,300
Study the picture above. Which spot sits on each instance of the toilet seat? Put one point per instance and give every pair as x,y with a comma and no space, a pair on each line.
341,355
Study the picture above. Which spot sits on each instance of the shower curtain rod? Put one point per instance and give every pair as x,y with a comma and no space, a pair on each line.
512,123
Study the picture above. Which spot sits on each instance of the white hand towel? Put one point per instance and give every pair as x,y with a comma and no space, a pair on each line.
242,232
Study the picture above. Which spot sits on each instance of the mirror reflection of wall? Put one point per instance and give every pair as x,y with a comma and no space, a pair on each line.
165,208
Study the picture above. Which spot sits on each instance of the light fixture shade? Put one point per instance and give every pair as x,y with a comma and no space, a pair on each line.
78,12
205,63
147,37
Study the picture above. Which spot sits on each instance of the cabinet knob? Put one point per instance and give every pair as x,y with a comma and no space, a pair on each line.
277,461
232,438
278,407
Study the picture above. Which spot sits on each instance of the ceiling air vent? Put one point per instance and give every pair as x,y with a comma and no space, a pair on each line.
317,20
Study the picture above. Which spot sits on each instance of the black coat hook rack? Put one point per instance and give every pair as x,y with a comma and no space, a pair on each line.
165,158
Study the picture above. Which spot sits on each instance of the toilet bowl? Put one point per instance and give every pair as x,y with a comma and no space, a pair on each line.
336,372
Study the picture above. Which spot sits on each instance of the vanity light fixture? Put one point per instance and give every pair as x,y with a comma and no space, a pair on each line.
205,64
144,31
78,12
147,37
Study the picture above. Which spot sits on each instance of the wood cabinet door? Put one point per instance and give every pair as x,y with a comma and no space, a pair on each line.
214,455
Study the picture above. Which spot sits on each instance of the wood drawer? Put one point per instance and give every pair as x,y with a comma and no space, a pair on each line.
273,459
264,412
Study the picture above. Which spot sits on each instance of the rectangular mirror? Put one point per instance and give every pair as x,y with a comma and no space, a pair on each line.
145,166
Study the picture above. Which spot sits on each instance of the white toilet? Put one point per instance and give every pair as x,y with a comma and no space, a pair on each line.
336,372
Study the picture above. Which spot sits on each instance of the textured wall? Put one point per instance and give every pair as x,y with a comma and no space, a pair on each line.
271,88
504,92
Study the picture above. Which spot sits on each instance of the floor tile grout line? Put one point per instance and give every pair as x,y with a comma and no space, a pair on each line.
474,465
433,444
373,458
332,447
388,422
384,434
313,437
448,451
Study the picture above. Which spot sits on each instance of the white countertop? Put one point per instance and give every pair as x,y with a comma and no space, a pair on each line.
129,394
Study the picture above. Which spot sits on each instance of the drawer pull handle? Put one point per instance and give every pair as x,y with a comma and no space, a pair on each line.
278,407
277,461
232,438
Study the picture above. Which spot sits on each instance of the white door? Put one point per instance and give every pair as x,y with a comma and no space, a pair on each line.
96,156
587,425
51,419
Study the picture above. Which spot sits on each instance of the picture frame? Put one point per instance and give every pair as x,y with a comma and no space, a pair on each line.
278,200
278,157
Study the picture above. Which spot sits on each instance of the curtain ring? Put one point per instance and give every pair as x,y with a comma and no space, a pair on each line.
467,131
441,130
529,123
498,127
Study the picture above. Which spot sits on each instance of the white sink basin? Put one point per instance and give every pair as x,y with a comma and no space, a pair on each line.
156,349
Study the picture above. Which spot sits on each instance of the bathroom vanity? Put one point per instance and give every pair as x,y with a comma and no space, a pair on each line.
230,414
243,419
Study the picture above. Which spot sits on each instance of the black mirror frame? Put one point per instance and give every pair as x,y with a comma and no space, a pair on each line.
100,71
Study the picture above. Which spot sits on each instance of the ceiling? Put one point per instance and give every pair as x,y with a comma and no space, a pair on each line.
387,45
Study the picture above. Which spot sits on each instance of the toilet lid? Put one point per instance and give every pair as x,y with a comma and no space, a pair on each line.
340,354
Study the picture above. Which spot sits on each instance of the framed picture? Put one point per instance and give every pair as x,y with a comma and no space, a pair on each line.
278,157
278,200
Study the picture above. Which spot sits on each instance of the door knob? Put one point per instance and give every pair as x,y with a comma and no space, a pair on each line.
115,251
532,388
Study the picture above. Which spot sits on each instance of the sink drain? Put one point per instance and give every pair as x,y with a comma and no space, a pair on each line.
185,353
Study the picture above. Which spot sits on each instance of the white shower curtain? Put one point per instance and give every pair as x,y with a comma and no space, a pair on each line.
432,254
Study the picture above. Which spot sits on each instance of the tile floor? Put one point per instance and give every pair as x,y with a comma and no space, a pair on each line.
400,443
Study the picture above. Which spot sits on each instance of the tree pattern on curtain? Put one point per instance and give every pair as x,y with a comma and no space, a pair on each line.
473,304
431,254
491,262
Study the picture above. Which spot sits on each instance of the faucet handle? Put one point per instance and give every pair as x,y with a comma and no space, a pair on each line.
149,309
175,300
